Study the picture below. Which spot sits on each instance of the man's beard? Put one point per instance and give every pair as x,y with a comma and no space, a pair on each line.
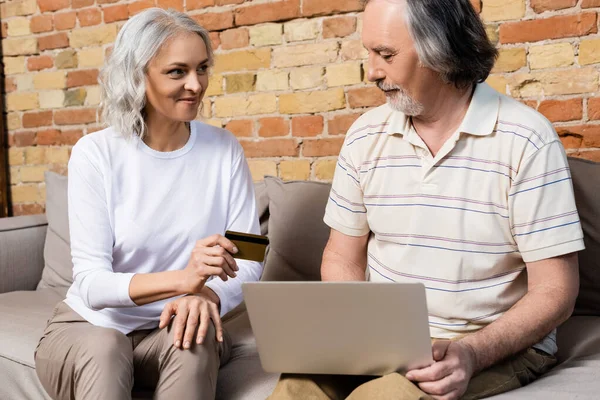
399,100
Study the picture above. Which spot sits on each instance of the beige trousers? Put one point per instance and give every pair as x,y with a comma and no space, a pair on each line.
511,374
77,360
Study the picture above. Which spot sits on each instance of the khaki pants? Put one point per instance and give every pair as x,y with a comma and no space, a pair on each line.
77,360
511,374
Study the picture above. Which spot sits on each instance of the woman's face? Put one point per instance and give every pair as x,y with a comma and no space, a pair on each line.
177,78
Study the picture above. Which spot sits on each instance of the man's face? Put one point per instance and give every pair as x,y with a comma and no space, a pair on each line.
393,61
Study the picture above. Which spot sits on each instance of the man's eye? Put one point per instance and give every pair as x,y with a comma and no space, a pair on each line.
176,73
387,57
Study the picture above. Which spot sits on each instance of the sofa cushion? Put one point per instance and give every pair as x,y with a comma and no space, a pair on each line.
24,318
297,233
586,184
58,269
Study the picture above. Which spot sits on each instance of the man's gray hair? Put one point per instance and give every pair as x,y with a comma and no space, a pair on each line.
450,39
123,77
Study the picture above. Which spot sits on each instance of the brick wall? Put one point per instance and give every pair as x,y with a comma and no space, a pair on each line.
289,77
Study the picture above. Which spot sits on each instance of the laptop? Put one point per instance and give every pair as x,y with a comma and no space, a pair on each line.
349,328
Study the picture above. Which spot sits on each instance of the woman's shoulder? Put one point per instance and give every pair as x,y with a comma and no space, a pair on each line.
216,136
97,144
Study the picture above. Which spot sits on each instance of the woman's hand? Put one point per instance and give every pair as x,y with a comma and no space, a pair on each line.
189,312
211,256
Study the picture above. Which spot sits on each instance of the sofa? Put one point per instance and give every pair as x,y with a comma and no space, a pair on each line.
35,272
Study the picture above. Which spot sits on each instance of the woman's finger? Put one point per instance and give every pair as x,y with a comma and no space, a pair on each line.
221,252
204,321
179,323
219,262
191,325
165,317
216,318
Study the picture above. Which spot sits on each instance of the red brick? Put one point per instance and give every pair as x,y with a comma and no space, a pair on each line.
365,97
215,40
64,21
136,7
174,4
215,21
10,85
81,3
54,41
273,126
562,110
338,27
240,128
27,209
75,116
53,5
41,23
593,108
227,2
106,1
23,139
539,6
37,119
82,78
590,134
570,141
48,137
89,17
329,7
54,137
234,38
4,30
268,12
72,136
560,26
270,148
340,124
311,125
590,3
115,13
476,5
196,4
38,63
322,147
589,155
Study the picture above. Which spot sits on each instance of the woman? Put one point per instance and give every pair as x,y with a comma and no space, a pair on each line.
149,198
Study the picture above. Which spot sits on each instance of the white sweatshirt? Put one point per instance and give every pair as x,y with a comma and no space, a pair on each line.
136,210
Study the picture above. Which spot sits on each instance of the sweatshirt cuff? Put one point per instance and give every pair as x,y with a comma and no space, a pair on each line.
123,282
216,285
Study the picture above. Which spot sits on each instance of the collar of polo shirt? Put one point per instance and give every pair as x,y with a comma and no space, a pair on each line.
480,119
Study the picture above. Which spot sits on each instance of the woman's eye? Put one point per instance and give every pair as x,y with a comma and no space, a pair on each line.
203,69
176,73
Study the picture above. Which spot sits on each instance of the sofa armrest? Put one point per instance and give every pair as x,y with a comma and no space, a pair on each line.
21,252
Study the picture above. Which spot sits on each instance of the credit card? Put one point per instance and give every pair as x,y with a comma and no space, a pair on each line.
250,247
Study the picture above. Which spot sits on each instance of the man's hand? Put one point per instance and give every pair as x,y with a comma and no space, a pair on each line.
189,311
448,377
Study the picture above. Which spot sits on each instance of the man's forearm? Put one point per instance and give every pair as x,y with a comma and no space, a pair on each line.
336,267
524,325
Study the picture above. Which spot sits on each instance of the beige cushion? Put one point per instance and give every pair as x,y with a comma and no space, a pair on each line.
586,183
297,233
58,269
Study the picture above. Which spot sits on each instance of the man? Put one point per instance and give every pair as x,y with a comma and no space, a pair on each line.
465,190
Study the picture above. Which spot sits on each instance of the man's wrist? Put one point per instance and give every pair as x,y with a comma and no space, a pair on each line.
470,348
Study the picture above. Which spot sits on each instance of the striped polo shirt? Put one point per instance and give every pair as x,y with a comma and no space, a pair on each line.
464,222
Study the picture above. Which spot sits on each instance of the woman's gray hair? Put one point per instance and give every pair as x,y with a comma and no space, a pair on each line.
123,77
450,38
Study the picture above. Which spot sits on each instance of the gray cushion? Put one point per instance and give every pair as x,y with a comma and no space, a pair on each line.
586,183
24,318
297,233
58,269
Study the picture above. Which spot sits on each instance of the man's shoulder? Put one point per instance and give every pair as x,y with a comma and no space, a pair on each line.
371,124
519,119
